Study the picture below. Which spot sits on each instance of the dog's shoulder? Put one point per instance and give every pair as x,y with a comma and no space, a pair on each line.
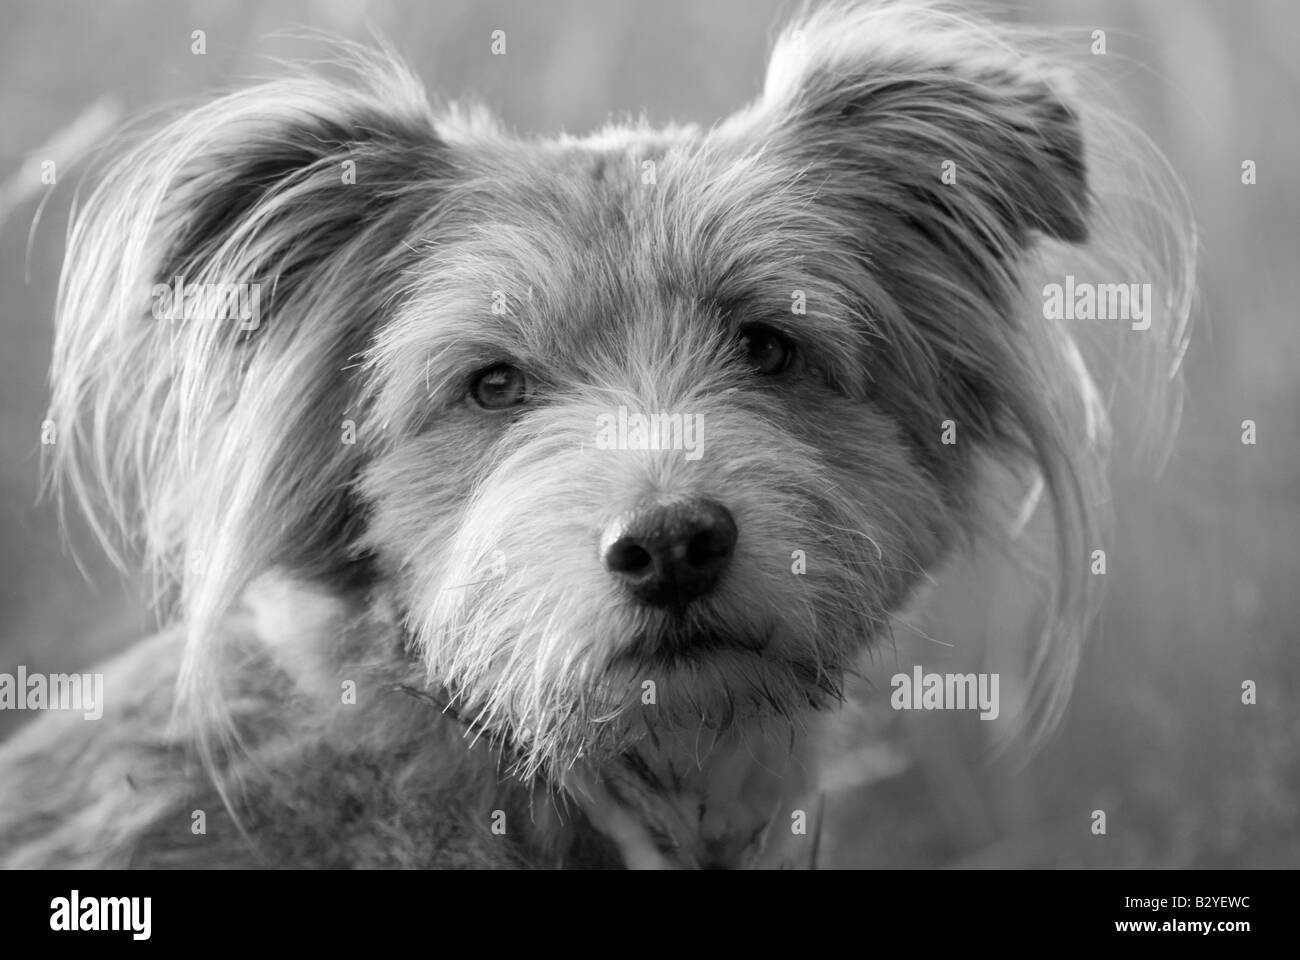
73,789
365,777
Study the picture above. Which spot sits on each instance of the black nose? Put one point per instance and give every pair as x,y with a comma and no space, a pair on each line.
671,553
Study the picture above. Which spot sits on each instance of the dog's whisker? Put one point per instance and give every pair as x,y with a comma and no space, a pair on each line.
920,633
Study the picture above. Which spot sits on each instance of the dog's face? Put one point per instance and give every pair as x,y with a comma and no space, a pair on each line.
571,585
820,327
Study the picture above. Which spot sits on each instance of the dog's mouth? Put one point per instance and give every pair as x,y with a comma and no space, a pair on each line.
714,678
677,648
719,650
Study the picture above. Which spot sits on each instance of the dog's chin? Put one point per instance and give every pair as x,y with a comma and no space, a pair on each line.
714,678
652,688
722,688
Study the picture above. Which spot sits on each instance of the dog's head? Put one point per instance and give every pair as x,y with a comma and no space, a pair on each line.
651,428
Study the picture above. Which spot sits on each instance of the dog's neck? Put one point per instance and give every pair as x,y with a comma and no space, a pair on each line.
685,801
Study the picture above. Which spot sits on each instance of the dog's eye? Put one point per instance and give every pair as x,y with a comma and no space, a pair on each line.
767,351
499,387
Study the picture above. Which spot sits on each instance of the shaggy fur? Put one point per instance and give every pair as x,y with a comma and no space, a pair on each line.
446,564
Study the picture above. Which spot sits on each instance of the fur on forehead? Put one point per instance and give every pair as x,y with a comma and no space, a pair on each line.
813,189
563,259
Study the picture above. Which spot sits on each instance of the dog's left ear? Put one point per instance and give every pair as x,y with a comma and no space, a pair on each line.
925,147
927,152
913,113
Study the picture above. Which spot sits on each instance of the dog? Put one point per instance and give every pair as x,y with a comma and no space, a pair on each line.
530,503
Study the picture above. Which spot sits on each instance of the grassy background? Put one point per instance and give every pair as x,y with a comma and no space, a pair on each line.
1203,576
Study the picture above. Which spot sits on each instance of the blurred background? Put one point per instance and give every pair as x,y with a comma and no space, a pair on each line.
1202,591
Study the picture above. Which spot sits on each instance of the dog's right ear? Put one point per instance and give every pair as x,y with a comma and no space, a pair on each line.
211,431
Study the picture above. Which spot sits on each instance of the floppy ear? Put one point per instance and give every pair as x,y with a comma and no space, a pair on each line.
932,154
941,123
216,443
937,152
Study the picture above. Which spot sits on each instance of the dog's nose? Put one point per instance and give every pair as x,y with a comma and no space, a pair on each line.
670,553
